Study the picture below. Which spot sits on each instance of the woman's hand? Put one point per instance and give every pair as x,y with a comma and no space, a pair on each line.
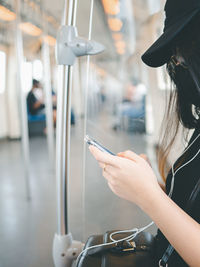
129,175
142,156
132,178
124,155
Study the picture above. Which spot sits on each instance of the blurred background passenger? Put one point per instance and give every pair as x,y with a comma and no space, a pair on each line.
133,104
35,99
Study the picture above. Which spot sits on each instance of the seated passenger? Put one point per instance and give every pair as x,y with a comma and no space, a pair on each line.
133,104
35,102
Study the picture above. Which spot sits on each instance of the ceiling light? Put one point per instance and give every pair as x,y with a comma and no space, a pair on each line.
6,14
120,44
111,7
121,51
117,36
115,24
50,40
30,29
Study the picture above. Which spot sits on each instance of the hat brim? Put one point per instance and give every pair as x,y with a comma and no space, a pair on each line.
161,50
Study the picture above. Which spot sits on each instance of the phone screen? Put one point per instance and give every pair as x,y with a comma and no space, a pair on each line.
93,142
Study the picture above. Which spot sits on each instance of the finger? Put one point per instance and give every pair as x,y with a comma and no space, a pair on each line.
101,165
144,156
108,177
111,170
102,156
112,188
129,155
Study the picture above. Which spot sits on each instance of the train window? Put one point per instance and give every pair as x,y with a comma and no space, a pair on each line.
37,69
27,76
2,71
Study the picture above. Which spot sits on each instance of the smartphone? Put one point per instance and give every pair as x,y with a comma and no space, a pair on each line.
93,142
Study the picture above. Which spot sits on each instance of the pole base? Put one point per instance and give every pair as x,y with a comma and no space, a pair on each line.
65,250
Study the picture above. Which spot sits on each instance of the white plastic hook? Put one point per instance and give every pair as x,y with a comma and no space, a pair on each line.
69,46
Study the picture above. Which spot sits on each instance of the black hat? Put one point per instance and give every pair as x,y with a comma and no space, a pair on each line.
179,13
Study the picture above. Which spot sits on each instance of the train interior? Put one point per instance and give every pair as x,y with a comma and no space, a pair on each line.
115,99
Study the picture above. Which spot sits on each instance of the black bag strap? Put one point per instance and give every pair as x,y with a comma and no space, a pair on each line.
163,262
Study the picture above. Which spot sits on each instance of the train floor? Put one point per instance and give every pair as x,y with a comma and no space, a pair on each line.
27,227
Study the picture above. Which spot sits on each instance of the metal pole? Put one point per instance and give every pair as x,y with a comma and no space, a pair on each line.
65,249
23,108
48,91
48,102
85,120
63,131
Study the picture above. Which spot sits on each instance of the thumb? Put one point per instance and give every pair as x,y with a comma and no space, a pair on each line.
145,158
129,155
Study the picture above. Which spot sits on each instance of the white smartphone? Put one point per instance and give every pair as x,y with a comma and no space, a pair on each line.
93,142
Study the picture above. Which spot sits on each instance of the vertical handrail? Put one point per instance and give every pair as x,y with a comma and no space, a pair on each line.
22,106
63,130
47,90
85,120
48,102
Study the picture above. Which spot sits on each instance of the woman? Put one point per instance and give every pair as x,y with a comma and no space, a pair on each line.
131,177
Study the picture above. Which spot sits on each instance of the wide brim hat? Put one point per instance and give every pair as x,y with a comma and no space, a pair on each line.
161,50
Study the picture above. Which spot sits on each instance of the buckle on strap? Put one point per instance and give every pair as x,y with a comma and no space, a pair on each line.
131,248
162,264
